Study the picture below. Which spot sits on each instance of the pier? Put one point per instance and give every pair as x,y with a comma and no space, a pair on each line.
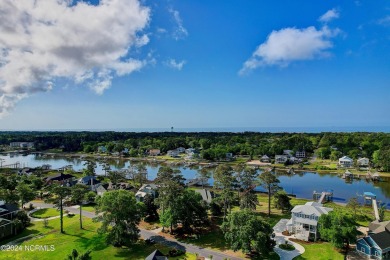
12,166
370,198
324,196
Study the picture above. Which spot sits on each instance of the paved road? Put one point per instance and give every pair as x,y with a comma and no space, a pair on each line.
281,239
150,234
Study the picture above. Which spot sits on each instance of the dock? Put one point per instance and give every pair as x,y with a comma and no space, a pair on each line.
324,196
11,166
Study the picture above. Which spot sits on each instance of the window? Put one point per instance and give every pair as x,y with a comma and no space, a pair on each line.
362,250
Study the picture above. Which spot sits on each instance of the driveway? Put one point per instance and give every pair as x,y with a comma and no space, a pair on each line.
281,239
150,234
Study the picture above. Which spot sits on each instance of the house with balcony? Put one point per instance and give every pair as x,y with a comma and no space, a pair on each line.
345,162
363,162
304,220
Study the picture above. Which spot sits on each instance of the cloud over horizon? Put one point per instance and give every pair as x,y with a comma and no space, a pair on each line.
42,41
291,44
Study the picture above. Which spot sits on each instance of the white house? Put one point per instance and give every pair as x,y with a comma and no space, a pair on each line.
190,150
363,161
22,145
281,159
304,220
144,190
346,162
173,153
264,158
181,149
300,154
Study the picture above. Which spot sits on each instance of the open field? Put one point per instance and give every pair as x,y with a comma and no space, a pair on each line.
45,213
320,251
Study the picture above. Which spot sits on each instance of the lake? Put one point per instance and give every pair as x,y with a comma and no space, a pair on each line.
300,184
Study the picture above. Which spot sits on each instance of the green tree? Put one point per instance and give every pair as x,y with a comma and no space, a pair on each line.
75,255
141,175
382,158
90,196
353,204
204,174
8,192
106,168
243,230
224,180
190,210
171,184
116,177
120,216
166,219
282,201
78,196
150,208
338,228
90,168
25,193
247,184
57,194
270,183
381,212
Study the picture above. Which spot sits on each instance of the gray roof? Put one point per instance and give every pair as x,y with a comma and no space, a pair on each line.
382,239
377,227
311,208
156,255
345,158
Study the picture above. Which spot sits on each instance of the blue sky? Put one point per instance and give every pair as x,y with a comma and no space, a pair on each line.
207,64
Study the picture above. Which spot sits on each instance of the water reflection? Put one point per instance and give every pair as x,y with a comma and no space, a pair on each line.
302,184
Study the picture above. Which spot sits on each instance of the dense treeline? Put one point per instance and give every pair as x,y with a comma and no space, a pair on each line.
213,145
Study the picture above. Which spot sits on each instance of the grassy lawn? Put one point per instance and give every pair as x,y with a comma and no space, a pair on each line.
320,251
82,240
45,213
89,208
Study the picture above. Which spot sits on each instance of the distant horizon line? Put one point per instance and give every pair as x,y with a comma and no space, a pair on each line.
268,129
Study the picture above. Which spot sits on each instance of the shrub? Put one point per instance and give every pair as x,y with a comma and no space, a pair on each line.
287,246
176,252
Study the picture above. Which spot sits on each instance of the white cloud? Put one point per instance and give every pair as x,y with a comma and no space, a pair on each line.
329,16
175,64
180,32
161,30
42,41
384,21
291,44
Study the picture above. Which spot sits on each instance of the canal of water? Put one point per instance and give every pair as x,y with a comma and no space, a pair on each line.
301,184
